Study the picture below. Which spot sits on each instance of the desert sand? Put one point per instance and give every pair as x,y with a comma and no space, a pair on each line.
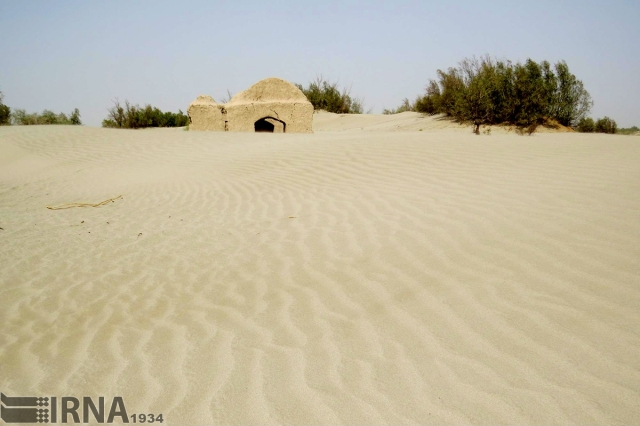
369,273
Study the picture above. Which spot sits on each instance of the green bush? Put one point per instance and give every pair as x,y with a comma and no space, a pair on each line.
586,125
488,91
425,104
430,102
326,96
5,112
135,117
606,125
74,118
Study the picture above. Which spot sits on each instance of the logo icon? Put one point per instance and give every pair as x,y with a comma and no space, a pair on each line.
44,409
24,409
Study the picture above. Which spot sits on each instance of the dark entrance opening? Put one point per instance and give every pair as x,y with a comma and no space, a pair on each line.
263,125
269,125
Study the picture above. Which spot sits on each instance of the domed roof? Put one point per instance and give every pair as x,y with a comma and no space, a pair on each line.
270,90
203,100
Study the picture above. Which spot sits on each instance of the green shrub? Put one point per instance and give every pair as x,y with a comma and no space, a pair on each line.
75,117
326,96
586,125
425,104
135,117
606,125
430,102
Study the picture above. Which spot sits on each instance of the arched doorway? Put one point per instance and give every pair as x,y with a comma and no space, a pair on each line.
270,125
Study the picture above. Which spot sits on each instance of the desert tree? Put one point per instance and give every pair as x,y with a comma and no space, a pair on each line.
115,116
529,94
477,100
571,101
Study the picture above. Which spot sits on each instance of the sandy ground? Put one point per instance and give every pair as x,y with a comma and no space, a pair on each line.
368,273
407,121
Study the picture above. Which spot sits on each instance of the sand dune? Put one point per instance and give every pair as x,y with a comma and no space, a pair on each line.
408,121
342,277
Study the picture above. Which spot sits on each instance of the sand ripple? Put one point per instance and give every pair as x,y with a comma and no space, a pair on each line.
334,278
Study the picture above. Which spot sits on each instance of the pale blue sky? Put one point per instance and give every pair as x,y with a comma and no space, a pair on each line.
65,54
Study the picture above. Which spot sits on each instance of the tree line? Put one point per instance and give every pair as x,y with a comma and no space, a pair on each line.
21,117
480,91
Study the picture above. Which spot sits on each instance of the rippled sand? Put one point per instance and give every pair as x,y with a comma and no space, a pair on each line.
342,277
